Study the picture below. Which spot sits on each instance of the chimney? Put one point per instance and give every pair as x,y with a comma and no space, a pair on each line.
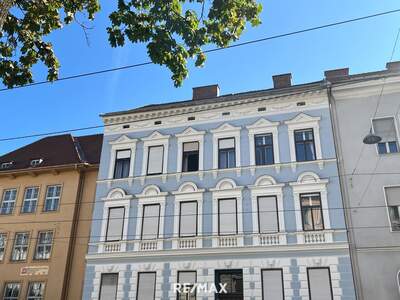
282,80
393,66
332,75
204,92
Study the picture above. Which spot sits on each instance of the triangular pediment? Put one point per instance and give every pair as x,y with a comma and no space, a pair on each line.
263,123
155,136
123,139
190,131
226,127
302,118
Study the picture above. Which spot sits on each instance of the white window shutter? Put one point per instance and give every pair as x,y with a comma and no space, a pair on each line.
272,285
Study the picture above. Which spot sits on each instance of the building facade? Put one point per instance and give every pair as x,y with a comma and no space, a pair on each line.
239,191
47,190
370,175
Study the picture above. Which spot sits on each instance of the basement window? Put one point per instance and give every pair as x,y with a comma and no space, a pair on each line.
262,109
191,118
6,165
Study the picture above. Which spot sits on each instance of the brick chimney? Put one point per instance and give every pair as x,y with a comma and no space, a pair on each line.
335,74
393,66
282,80
203,92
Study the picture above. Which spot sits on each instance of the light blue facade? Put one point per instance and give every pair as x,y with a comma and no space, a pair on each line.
293,250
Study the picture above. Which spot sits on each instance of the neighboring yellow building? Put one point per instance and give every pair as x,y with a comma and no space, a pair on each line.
47,190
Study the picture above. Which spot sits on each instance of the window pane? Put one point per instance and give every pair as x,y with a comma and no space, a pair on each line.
264,149
393,148
233,280
109,284
267,214
52,198
155,160
311,211
394,214
227,216
35,291
115,223
122,164
8,201
150,223
44,244
12,291
272,284
226,143
382,148
30,200
385,128
188,219
20,246
190,159
3,238
304,143
146,286
188,278
320,284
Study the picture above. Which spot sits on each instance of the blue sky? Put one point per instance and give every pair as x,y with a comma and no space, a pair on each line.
363,46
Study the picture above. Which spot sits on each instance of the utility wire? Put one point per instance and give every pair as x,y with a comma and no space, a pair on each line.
214,49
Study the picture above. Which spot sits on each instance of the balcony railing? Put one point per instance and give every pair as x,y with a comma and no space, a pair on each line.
223,241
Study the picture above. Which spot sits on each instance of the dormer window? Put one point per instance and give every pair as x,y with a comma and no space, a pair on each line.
6,165
36,162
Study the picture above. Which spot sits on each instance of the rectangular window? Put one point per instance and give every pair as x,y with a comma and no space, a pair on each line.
44,244
227,217
150,222
233,280
146,286
272,284
115,224
30,200
267,214
188,219
386,129
20,248
304,143
155,160
36,291
311,211
3,243
122,164
393,203
319,284
264,149
8,201
52,200
108,286
226,153
190,157
11,291
186,279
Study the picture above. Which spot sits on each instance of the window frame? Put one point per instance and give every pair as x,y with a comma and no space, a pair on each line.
108,223
304,144
31,283
117,159
5,234
390,206
396,131
14,246
158,223
197,218
35,256
19,283
178,281
264,146
312,216
148,158
8,201
217,281
52,198
155,283
101,284
190,152
330,280
226,150
36,200
262,281
277,213
219,219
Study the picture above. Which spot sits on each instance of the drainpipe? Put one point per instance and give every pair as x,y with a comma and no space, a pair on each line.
344,192
74,229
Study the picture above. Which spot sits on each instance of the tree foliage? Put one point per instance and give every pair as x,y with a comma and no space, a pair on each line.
173,31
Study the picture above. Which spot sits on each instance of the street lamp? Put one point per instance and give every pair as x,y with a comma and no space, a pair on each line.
371,138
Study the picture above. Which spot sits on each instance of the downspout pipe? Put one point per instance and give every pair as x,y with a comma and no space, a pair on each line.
343,191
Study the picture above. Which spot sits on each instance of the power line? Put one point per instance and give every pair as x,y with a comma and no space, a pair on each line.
214,49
